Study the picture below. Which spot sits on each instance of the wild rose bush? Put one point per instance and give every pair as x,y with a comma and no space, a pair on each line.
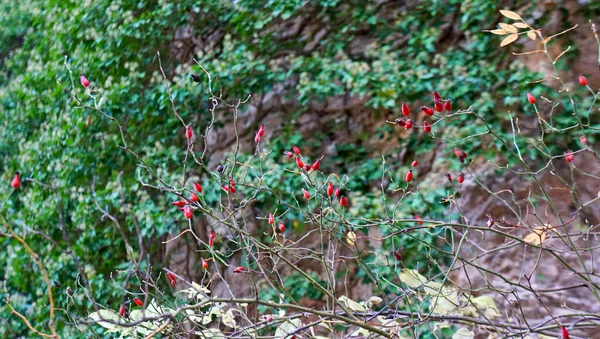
316,237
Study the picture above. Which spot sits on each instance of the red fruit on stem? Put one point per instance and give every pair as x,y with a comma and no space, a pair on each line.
583,81
427,111
123,310
288,154
212,234
299,162
198,187
187,211
194,197
405,110
179,203
188,132
408,124
239,269
418,220
138,302
16,181
316,165
400,122
530,98
271,219
296,149
461,178
337,192
409,176
231,182
211,238
225,188
281,227
569,156
204,263
448,105
329,189
232,189
564,332
436,96
343,201
306,194
256,138
583,140
261,131
449,177
460,154
172,278
426,127
439,106
415,163
398,255
84,81
307,167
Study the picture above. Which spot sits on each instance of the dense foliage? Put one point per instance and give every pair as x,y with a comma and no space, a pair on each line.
381,54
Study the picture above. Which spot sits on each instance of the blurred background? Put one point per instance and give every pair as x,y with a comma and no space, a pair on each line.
323,75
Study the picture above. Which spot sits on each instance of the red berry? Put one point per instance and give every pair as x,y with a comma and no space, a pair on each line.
138,302
449,177
306,194
198,187
415,163
448,105
212,234
398,255
288,154
172,279
436,96
409,176
193,197
204,263
261,131
583,80
343,201
299,162
256,138
337,192
307,167
418,220
225,188
329,189
439,106
84,81
231,182
461,178
316,165
426,127
564,332
408,124
16,182
271,219
123,310
232,189
296,149
427,111
211,238
187,211
239,269
400,122
281,227
461,155
583,140
188,132
405,110
569,156
530,98
180,203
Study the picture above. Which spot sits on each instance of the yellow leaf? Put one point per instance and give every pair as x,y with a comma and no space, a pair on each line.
412,278
351,304
537,237
351,238
463,333
532,35
508,28
509,39
521,25
486,302
510,14
498,32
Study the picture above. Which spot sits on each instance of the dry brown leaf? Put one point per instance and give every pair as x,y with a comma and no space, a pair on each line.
532,35
510,14
537,237
498,31
521,25
508,28
509,39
